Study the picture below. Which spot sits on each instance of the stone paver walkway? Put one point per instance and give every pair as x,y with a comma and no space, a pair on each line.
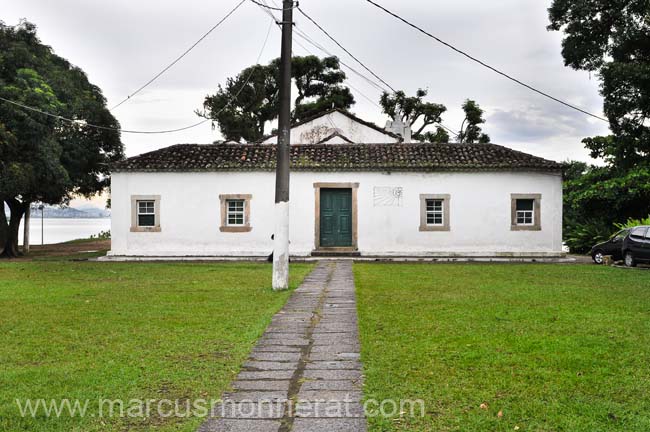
304,374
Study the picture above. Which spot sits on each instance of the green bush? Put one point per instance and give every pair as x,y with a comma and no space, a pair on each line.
103,235
632,223
580,237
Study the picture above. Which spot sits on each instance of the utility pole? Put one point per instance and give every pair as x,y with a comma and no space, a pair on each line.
281,235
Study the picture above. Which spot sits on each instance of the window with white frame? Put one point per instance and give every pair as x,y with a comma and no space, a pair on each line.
435,212
525,212
146,213
235,212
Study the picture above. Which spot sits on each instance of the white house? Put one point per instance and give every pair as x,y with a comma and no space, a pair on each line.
348,196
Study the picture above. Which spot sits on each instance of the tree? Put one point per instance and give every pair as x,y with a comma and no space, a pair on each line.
41,158
470,131
613,40
249,102
417,113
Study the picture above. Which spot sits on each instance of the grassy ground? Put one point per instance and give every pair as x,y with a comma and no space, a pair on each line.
553,347
81,330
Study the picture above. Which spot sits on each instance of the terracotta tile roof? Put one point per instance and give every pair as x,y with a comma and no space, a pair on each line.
338,157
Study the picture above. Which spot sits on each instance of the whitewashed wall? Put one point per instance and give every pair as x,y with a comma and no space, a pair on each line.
480,214
320,128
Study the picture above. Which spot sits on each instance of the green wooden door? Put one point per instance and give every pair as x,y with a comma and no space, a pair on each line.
336,217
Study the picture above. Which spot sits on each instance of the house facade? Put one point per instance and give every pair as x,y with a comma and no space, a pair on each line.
387,200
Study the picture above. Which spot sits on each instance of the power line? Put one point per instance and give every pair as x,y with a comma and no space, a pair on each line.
264,5
83,123
309,40
158,75
344,49
300,33
448,45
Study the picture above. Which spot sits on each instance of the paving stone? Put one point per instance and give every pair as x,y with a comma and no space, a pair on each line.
328,409
330,395
276,356
239,425
270,365
284,335
337,348
290,342
329,425
334,356
276,348
262,385
335,365
249,410
255,396
265,375
341,341
332,374
340,385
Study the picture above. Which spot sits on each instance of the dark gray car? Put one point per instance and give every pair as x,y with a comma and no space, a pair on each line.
613,247
636,246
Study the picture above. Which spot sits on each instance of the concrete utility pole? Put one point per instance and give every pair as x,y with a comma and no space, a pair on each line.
281,235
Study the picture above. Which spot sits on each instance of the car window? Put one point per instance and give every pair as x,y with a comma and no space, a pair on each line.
619,235
647,235
638,232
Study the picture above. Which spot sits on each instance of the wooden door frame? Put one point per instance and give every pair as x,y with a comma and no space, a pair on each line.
354,188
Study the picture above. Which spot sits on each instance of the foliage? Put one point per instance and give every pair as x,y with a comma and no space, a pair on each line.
102,235
127,331
470,131
631,223
547,345
613,40
413,110
421,115
245,106
597,198
41,158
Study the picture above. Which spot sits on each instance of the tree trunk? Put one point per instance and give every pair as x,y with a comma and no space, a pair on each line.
11,244
28,211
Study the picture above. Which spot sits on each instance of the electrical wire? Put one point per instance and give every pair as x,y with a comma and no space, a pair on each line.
301,34
179,58
264,5
482,63
83,123
344,49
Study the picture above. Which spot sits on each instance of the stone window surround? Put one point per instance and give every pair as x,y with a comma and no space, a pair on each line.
446,198
537,212
134,213
223,198
354,187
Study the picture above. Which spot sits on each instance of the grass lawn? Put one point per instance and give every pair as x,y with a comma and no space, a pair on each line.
82,330
553,347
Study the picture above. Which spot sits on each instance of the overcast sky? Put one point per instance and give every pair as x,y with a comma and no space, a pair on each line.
121,44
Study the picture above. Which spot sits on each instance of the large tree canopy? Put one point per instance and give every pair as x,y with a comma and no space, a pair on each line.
611,38
245,106
41,158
